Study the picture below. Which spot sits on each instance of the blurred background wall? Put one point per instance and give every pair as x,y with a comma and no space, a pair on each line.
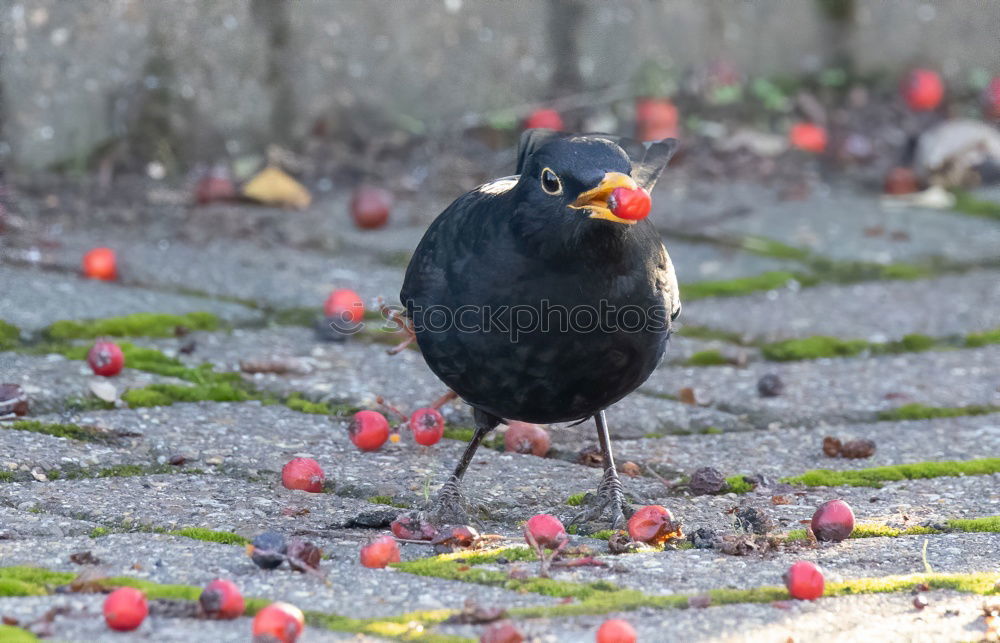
189,80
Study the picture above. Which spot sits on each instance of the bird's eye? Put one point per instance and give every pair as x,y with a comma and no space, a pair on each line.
550,182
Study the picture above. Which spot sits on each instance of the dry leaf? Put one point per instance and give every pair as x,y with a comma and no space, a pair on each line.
104,390
273,187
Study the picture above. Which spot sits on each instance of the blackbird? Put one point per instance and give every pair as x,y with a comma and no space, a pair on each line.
545,297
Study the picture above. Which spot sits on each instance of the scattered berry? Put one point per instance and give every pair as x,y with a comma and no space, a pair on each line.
106,359
303,555
279,621
633,205
407,527
524,437
303,474
546,531
380,552
831,446
427,426
544,118
268,550
808,137
901,180
502,632
13,400
770,385
125,609
217,185
368,430
370,207
655,119
461,536
804,581
991,99
923,89
100,263
833,521
920,602
653,524
221,599
616,630
344,305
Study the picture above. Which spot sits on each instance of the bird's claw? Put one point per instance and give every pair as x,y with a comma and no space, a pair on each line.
609,495
448,508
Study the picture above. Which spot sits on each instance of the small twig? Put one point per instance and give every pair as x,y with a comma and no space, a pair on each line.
444,399
923,555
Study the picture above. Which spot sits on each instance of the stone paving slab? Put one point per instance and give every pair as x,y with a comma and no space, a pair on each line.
835,224
874,311
352,590
844,389
951,616
23,452
17,524
51,381
85,622
786,452
33,299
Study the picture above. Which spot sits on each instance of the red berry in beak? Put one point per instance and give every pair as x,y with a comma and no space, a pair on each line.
833,521
222,599
427,426
368,430
633,205
125,609
653,524
106,359
545,530
380,552
616,630
303,474
804,581
279,622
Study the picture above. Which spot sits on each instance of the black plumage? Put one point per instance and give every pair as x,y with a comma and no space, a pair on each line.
532,301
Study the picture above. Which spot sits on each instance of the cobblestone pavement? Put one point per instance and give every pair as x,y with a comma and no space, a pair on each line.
165,485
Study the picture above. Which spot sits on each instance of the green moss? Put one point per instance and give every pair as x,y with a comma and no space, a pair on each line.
388,500
875,476
71,431
98,532
295,316
135,325
712,430
738,286
10,335
974,340
208,535
968,204
575,500
872,531
464,434
915,343
916,411
604,534
6,476
297,403
167,394
771,248
706,358
738,484
11,634
985,524
812,348
14,587
703,332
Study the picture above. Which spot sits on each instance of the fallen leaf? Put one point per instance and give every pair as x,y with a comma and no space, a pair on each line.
273,186
84,558
104,390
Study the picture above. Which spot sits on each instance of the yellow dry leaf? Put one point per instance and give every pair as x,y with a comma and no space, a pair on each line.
274,187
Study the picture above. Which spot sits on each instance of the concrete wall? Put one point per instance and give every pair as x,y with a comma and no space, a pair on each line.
197,79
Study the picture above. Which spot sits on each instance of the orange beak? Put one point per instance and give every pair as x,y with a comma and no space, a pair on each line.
596,200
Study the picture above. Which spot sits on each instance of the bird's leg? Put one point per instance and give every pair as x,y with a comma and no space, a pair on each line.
448,508
609,492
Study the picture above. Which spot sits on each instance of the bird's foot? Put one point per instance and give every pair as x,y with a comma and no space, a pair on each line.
447,509
609,496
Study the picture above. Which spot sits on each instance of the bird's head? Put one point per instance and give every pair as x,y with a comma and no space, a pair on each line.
586,180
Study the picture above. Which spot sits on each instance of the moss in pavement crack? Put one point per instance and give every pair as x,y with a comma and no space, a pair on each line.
71,431
986,524
10,335
135,325
968,204
875,476
917,411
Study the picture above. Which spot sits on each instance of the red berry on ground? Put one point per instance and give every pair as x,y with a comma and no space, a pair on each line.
923,89
368,430
222,599
546,531
502,632
991,99
804,581
370,207
217,185
106,359
655,119
833,521
901,180
524,437
616,630
303,474
653,524
808,137
409,528
633,205
427,426
100,263
380,552
345,304
544,118
125,609
281,621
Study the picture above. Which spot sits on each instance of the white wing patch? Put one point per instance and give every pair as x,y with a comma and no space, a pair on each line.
499,186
